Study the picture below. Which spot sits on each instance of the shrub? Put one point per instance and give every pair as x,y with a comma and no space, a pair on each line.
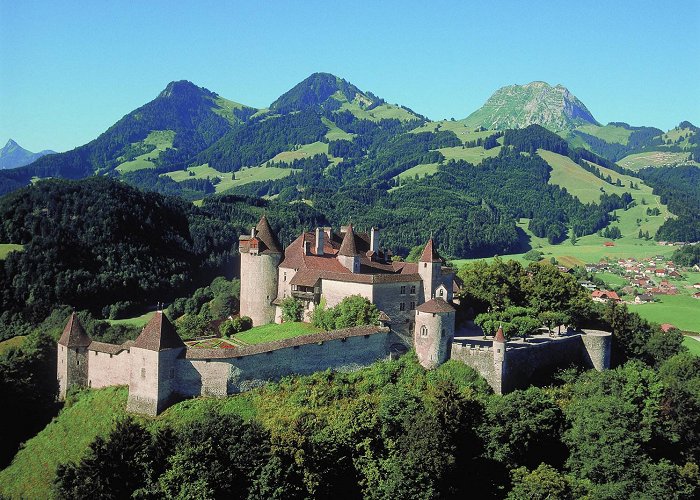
292,309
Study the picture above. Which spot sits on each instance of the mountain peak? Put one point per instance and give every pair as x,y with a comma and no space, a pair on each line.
321,90
517,106
12,155
183,87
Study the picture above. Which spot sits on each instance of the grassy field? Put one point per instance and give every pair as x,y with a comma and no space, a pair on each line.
272,332
682,311
225,109
609,133
161,139
243,176
135,321
305,151
8,344
652,159
6,248
421,170
335,133
465,133
381,112
472,155
693,345
676,133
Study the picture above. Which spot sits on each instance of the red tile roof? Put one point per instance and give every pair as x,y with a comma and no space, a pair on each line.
429,253
437,305
159,334
74,334
348,247
499,337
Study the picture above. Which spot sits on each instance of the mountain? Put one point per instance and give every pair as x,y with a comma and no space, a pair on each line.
517,106
329,92
180,122
12,155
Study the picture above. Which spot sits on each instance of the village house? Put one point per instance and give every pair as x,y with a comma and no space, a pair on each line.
643,298
605,296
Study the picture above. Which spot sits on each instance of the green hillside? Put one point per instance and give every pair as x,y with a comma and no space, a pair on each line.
639,161
244,176
160,140
609,133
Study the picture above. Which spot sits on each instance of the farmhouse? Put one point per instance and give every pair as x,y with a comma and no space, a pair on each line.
605,296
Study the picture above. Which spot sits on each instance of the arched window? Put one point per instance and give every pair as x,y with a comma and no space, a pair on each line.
423,331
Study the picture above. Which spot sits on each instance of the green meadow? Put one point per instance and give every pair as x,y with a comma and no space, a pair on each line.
140,320
272,332
609,133
638,161
682,311
6,248
11,343
243,176
161,139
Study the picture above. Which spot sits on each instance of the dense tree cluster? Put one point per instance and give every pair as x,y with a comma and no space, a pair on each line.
679,188
688,255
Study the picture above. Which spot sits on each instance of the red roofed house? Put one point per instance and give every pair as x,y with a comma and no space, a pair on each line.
604,296
667,327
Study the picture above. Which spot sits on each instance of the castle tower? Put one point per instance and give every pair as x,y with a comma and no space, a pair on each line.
430,270
153,366
261,255
73,358
434,333
499,361
348,255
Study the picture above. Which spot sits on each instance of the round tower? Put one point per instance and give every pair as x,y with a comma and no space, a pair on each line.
261,255
499,361
434,332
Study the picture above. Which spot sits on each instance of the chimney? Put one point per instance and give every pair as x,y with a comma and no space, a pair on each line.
328,230
319,241
252,232
374,240
307,247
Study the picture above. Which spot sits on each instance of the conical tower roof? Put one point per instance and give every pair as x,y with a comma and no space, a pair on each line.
159,334
74,334
348,247
265,233
429,253
499,337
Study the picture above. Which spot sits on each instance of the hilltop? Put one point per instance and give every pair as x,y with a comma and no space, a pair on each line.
517,106
12,155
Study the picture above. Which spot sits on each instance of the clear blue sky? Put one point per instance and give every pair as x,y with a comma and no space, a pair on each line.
70,69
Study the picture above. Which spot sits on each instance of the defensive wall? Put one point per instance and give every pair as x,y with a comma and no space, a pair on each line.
525,362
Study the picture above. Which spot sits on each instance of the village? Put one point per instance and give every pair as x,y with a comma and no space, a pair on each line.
638,282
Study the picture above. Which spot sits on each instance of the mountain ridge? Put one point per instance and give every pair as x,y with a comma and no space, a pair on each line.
12,155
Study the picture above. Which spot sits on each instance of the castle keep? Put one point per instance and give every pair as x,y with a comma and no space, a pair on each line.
416,303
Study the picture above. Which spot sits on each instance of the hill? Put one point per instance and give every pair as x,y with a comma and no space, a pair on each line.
517,106
179,123
12,155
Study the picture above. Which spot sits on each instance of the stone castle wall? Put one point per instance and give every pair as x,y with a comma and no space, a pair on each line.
107,369
198,375
525,363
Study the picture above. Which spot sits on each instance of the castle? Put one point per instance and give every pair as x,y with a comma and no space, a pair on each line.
416,303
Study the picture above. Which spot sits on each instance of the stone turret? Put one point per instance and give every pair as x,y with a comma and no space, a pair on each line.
348,255
434,332
499,361
72,356
261,255
430,270
153,366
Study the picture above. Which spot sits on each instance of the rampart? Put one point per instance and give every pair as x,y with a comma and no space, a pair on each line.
527,362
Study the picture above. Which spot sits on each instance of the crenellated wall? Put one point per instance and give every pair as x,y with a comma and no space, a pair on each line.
526,362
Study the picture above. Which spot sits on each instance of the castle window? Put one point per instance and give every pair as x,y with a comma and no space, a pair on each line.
425,264
423,331
441,292
413,289
413,306
403,290
442,332
285,277
402,306
143,373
